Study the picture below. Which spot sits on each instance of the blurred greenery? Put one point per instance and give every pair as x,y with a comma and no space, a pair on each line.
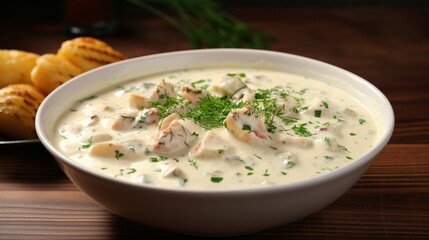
206,24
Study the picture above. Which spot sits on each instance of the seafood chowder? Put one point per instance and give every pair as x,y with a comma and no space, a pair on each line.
216,128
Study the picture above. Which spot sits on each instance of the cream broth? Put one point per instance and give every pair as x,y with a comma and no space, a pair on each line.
216,128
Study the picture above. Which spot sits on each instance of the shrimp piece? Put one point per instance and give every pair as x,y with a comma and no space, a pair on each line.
211,146
131,149
136,119
173,139
161,91
192,94
168,120
138,101
247,127
243,95
229,85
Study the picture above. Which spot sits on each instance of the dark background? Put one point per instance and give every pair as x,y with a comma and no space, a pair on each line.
42,10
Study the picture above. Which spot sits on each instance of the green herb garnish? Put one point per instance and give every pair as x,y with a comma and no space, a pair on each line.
193,163
325,105
118,154
266,174
87,144
205,24
246,127
318,113
301,130
242,75
216,179
211,111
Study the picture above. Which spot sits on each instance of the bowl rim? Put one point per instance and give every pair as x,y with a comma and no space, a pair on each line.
308,182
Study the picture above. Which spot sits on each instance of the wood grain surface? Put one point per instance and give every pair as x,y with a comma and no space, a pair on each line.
388,46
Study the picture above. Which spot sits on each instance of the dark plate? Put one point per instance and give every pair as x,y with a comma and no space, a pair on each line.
6,141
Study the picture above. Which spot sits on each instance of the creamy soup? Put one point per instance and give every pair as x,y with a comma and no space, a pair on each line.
216,128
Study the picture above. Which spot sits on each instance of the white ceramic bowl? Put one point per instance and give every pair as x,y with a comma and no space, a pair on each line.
220,212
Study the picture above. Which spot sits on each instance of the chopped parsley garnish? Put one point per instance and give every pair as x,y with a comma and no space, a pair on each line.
183,181
216,179
266,174
132,119
352,134
246,127
248,168
287,120
242,75
157,159
301,130
328,157
197,82
318,113
362,121
238,158
87,144
118,154
126,170
342,147
130,170
303,91
325,104
193,163
300,110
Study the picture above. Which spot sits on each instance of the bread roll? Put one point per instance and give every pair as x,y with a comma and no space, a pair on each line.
51,71
18,107
15,66
88,53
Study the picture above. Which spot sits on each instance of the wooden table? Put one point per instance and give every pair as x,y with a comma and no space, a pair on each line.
388,46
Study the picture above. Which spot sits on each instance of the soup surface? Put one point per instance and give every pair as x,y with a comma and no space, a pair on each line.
216,128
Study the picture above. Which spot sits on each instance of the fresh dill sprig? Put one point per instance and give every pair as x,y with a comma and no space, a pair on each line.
205,24
211,111
168,105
